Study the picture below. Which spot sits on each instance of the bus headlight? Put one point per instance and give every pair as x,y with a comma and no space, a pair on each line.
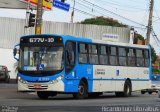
22,81
19,78
59,78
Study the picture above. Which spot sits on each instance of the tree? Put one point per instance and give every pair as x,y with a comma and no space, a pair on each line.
153,53
103,21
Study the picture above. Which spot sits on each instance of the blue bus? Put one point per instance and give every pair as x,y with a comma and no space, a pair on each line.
52,64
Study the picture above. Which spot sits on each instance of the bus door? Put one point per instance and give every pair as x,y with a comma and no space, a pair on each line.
70,58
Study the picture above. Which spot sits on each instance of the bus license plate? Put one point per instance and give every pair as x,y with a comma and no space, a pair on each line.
37,86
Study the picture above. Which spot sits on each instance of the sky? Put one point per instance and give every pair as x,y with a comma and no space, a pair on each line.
125,11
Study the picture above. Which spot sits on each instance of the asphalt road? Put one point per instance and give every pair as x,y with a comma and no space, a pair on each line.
13,101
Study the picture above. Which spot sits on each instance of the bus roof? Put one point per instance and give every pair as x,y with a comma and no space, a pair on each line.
84,39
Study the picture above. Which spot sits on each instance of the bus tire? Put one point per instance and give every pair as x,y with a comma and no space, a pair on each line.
127,89
149,92
119,94
94,95
42,94
8,80
142,92
82,91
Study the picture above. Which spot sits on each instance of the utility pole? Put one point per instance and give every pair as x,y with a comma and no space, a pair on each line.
149,27
72,14
39,17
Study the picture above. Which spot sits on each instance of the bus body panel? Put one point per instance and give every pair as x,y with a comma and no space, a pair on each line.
100,78
74,77
112,78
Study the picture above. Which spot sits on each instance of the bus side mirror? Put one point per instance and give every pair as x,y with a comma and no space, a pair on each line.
15,52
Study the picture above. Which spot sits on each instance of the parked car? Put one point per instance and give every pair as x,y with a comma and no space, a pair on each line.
4,74
155,87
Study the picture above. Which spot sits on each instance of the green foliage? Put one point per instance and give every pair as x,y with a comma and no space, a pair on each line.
153,53
103,21
155,71
138,36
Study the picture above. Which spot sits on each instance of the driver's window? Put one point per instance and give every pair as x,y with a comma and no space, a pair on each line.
70,56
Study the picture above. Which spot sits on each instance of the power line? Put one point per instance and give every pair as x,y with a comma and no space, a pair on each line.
98,7
114,13
84,12
137,1
154,34
156,39
113,3
87,13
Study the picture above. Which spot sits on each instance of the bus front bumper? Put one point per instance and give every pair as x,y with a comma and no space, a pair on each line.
57,86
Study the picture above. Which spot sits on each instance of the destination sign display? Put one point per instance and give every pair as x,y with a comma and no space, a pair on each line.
42,39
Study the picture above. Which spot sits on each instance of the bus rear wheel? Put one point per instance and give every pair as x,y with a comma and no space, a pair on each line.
94,95
149,92
82,91
142,92
119,94
127,89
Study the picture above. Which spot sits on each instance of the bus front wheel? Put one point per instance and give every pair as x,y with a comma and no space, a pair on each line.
42,94
82,91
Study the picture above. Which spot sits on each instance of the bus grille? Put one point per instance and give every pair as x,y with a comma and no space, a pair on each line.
38,86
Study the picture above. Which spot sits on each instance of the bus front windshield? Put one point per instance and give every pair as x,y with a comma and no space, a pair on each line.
41,58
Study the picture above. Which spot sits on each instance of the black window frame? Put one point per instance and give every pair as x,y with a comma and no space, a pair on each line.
129,55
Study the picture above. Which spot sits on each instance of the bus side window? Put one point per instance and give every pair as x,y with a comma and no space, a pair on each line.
131,57
83,53
113,55
146,57
70,56
93,54
140,57
103,57
122,56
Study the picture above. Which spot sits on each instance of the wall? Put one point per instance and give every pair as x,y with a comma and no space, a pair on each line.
12,29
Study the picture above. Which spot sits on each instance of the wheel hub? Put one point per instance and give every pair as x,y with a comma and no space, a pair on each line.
81,90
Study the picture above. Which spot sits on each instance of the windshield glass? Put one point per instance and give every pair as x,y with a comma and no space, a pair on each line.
41,58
